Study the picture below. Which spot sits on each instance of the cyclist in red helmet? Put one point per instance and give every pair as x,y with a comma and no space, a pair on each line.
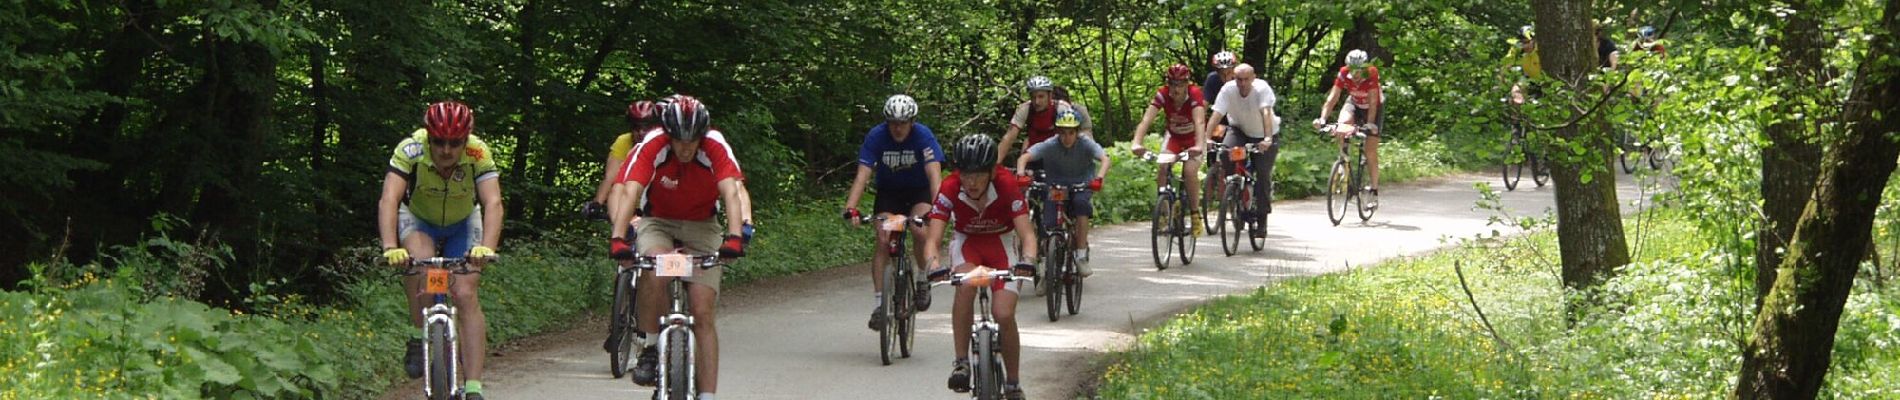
676,178
1186,125
435,178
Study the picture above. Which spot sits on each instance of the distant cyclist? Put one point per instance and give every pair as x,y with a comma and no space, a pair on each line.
1072,160
908,164
1365,106
1186,126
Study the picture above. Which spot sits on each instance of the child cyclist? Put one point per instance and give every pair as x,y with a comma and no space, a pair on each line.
1071,159
985,211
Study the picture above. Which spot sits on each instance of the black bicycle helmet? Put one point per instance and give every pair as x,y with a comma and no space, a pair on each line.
684,118
975,153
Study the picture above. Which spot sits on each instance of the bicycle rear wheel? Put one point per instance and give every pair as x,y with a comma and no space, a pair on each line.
441,366
1211,196
1540,170
1187,240
1260,222
1160,232
1338,191
620,327
1359,181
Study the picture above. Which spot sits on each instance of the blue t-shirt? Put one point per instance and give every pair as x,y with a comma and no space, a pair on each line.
900,165
1211,86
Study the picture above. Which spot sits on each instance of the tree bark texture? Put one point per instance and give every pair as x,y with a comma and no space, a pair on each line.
1254,44
1789,352
1589,221
1791,161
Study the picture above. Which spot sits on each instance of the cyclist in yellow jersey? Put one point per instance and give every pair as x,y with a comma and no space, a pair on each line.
1523,63
435,178
643,119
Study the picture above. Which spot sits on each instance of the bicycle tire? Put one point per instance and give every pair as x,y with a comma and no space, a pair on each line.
887,337
620,326
1053,265
983,378
1211,197
1188,242
441,369
1260,224
1513,164
1359,196
1337,192
1655,157
678,359
1158,233
1230,214
1074,282
906,318
1540,170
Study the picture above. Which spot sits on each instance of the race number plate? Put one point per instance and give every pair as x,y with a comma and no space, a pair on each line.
676,265
1237,154
1059,195
895,223
437,281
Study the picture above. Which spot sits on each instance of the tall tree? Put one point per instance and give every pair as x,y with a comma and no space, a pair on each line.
1589,223
1791,160
1791,346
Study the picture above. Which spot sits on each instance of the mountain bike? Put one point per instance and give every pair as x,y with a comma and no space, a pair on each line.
1170,226
622,331
1240,213
986,341
441,353
900,314
1636,147
676,327
1520,153
1060,274
1345,187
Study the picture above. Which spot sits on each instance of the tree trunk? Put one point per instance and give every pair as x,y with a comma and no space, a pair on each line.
1364,35
527,81
1259,37
1789,352
1217,40
1589,222
1791,161
319,127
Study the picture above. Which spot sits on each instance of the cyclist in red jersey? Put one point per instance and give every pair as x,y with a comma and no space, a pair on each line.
680,175
987,213
1186,125
1366,106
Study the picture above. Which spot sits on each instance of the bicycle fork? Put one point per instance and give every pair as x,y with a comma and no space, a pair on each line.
677,320
444,314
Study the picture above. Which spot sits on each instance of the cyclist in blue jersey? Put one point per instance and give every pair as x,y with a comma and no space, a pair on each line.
908,163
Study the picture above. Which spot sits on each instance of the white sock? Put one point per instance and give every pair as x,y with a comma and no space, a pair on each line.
878,299
705,396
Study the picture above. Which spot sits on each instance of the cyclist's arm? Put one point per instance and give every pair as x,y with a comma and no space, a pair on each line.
857,187
1378,104
1141,128
745,203
1101,171
607,178
1332,99
1025,238
729,192
934,171
386,208
1200,128
489,190
1266,114
1022,162
933,236
621,205
1213,121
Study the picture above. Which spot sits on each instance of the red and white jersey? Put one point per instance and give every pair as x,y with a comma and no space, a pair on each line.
993,214
1180,119
680,190
1360,88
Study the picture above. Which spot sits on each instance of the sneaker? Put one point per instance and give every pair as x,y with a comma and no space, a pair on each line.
920,297
412,359
1012,391
1372,203
647,373
1082,263
1198,228
877,319
960,376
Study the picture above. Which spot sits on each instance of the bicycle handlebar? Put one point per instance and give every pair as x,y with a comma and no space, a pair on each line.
458,265
1002,274
700,261
1359,131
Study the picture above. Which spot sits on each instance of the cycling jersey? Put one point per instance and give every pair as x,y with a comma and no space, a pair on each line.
1533,67
1213,81
681,190
623,144
993,214
900,165
434,198
1179,118
1068,165
1358,88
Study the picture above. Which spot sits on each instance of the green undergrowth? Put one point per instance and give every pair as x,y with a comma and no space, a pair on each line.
1671,327
131,330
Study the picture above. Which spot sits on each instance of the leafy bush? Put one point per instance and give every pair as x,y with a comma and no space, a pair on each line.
1672,329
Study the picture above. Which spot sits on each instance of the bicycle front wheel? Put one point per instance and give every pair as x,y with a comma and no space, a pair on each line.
1338,191
986,379
906,316
887,337
1160,233
1211,197
1513,163
1232,224
679,358
1540,170
1054,258
620,326
1359,198
441,367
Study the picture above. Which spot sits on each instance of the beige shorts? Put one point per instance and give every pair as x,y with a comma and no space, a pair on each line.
656,235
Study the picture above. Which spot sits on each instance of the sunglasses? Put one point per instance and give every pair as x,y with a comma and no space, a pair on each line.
447,143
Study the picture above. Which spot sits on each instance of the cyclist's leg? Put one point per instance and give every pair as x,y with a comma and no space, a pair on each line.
702,292
1081,208
961,311
1003,307
473,329
1372,152
420,245
653,236
917,243
1263,175
1190,171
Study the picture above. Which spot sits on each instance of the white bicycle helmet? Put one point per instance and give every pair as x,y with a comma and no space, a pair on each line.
1039,83
1224,59
900,108
1356,58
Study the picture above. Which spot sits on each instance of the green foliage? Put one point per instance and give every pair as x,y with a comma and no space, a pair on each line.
1671,329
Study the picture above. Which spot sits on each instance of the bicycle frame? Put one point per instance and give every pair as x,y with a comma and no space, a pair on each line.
983,322
442,311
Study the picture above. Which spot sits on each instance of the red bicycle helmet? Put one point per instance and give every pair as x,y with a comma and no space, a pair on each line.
643,113
448,120
684,118
1179,71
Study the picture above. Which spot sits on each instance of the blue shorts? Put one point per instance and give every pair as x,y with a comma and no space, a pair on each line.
452,240
1078,206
